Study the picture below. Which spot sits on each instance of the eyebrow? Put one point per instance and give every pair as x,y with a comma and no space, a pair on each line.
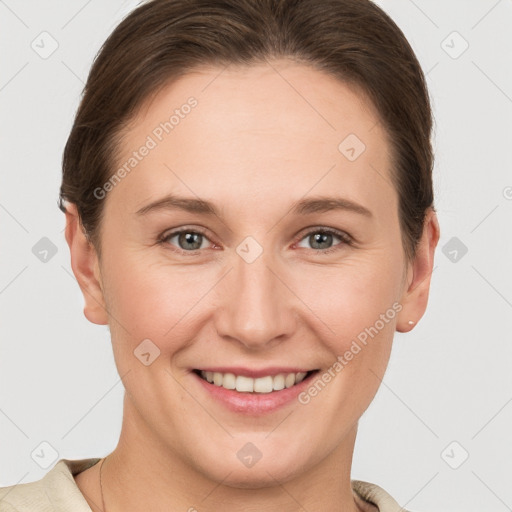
317,204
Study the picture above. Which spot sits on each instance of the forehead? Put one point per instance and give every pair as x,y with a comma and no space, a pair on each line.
256,130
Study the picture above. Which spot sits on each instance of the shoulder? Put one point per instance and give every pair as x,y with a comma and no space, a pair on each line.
55,492
375,495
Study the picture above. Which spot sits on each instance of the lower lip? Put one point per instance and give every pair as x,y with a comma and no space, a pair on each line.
254,403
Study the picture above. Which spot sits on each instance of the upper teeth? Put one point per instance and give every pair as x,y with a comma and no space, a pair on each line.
247,384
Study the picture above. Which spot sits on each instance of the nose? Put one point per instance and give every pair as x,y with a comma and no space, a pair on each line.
255,306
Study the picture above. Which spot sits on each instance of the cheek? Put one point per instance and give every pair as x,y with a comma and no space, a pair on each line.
155,301
357,304
353,297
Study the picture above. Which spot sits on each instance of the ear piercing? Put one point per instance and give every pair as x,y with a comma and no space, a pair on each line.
411,322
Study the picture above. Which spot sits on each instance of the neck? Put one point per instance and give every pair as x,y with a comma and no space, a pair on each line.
142,474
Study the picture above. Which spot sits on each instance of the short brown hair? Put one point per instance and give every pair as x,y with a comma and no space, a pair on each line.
353,40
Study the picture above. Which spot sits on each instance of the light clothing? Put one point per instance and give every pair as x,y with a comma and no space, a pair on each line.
57,492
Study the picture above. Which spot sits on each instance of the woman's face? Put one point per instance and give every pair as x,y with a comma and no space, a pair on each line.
290,260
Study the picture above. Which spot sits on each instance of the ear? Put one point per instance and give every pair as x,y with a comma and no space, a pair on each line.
85,265
415,297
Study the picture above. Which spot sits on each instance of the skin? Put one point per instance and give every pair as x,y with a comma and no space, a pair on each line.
253,145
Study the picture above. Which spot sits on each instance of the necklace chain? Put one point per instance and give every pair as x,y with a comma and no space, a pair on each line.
101,486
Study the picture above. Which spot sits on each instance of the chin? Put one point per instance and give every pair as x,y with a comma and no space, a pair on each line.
269,467
263,475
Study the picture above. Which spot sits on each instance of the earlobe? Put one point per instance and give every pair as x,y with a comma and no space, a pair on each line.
415,298
85,266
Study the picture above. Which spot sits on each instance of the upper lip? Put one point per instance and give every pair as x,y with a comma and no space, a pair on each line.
255,373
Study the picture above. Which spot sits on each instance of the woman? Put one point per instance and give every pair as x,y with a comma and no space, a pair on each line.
248,196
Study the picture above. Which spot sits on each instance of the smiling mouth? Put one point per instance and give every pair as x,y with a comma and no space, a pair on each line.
244,384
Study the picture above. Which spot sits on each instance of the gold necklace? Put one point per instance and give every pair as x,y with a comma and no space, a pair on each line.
101,487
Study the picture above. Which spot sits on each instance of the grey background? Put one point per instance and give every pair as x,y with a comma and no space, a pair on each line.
448,380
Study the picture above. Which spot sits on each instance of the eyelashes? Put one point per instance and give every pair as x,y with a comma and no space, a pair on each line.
345,238
182,237
196,236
